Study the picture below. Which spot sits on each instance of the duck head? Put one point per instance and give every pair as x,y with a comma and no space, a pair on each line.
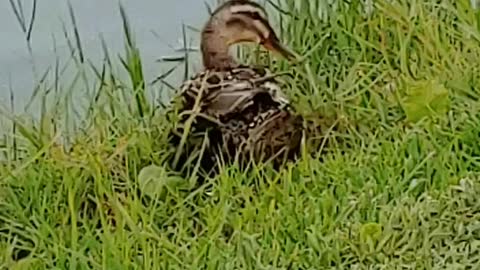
238,21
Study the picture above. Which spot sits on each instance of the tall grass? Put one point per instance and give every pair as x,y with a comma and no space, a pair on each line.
396,186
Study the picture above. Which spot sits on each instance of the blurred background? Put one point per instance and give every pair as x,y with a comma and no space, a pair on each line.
156,24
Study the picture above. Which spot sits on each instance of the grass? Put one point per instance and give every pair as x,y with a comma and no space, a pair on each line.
395,187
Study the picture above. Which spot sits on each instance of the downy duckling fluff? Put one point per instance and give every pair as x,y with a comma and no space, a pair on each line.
243,109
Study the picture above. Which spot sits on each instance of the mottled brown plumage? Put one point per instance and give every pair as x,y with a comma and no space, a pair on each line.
243,108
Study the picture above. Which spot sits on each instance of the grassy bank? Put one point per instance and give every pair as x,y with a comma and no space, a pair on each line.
395,187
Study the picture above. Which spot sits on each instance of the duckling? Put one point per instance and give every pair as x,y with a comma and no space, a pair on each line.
243,108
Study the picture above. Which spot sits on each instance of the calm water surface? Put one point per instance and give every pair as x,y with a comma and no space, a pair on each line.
157,25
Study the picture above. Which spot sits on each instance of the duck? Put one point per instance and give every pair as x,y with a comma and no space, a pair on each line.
240,109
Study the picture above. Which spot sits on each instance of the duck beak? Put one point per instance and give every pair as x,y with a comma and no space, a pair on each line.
273,44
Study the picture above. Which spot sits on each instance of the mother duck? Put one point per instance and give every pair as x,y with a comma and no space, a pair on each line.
242,109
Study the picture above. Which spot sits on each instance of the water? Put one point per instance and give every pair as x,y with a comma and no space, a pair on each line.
157,25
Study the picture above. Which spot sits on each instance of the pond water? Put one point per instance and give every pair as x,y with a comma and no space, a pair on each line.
157,26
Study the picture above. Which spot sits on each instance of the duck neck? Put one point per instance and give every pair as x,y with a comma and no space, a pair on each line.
215,49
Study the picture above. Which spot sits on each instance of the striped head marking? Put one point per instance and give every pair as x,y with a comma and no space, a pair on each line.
247,21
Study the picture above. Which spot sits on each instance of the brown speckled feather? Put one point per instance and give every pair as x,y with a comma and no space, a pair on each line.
231,92
253,118
243,109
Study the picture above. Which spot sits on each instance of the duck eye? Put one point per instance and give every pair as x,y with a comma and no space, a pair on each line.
253,15
237,22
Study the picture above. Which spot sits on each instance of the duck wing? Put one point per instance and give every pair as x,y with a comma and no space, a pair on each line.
225,94
248,117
